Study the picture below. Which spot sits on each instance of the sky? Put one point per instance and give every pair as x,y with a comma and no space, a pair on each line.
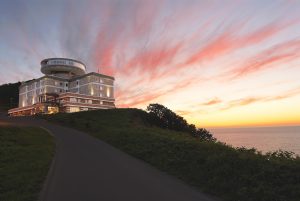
216,63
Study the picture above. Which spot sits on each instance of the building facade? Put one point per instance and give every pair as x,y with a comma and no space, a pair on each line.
66,87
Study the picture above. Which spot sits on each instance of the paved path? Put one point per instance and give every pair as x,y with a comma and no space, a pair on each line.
87,169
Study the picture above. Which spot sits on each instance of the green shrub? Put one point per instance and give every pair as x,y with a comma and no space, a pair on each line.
216,168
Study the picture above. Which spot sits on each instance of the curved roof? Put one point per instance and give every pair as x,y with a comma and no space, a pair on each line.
62,65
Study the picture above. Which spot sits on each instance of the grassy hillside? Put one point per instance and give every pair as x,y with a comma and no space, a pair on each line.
215,168
9,96
25,157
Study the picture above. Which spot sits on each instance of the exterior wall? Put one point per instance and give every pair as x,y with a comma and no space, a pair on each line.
72,84
93,85
87,92
65,85
29,92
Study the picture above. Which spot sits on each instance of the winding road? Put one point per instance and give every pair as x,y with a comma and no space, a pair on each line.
87,169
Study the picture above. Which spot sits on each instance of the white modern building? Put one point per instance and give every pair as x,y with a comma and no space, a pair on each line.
65,87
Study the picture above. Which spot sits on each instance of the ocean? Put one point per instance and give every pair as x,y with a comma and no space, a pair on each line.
264,139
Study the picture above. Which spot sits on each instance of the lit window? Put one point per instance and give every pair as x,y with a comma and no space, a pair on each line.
52,110
74,109
92,90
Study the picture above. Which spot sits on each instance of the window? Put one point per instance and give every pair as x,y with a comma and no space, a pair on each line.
74,109
60,84
60,90
66,84
95,102
107,92
92,91
77,83
52,110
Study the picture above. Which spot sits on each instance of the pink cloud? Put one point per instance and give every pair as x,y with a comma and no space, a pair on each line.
280,53
228,41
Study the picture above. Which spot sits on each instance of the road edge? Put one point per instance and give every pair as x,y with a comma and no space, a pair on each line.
45,186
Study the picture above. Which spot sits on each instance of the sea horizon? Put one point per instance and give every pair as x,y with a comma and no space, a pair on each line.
249,126
263,138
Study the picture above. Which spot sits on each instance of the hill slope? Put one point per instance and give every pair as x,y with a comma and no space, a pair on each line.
25,157
213,167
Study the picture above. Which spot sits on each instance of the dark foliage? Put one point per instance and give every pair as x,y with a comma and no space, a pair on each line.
163,117
233,174
25,157
9,95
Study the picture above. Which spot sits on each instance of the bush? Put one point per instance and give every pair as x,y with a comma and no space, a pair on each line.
233,174
163,117
9,95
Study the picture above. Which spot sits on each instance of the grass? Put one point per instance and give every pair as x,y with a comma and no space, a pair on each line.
25,157
213,167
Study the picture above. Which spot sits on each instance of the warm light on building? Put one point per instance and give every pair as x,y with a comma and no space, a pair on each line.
107,92
66,87
92,91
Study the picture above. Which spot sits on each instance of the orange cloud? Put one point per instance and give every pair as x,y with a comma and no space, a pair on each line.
147,49
212,102
183,112
251,100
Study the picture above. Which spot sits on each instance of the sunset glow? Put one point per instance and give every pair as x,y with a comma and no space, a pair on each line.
216,64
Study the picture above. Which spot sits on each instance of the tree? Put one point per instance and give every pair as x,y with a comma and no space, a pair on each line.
204,134
163,117
9,95
166,118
